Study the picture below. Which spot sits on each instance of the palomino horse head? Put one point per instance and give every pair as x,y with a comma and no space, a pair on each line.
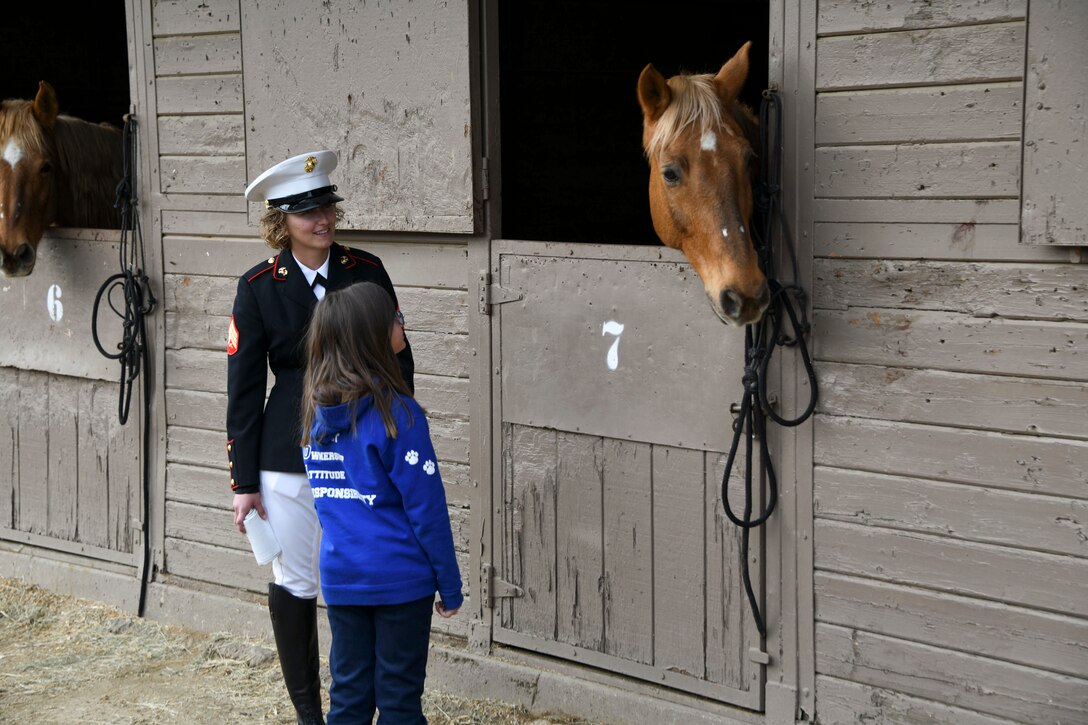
54,169
699,140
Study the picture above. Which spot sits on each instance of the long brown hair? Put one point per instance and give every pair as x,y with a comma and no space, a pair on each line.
349,354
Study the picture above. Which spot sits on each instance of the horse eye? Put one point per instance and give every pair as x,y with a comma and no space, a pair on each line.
46,168
671,175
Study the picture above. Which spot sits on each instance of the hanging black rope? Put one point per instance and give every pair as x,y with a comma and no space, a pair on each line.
136,303
131,282
761,339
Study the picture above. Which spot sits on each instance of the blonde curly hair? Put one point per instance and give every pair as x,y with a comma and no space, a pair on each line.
274,227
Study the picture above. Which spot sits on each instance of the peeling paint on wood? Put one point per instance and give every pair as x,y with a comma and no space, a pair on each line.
1042,581
1031,464
928,671
850,16
961,400
70,470
1055,179
979,112
399,128
1055,642
973,53
964,170
1040,292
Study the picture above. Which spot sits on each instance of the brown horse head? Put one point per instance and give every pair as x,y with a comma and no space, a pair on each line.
54,169
700,143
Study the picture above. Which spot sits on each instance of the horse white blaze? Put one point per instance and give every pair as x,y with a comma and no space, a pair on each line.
709,141
13,153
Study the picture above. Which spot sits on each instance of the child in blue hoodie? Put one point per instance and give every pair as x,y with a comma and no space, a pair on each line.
386,545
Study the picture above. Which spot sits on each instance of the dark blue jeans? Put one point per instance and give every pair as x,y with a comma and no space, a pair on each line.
378,659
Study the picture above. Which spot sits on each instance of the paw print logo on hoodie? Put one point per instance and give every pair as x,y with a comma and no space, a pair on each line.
428,467
412,457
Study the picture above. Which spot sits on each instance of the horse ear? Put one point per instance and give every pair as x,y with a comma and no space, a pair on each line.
730,79
653,93
45,105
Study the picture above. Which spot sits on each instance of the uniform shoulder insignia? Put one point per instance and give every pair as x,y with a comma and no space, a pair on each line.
232,337
259,269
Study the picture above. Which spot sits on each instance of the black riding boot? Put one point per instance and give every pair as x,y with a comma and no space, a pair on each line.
294,622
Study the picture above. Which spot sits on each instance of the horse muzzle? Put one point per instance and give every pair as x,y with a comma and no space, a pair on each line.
20,263
735,308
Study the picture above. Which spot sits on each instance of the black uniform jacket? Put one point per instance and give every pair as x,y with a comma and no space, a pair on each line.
272,310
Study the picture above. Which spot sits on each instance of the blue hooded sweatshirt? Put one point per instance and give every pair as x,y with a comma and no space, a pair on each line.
386,536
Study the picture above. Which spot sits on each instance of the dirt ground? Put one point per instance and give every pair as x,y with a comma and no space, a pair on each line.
65,660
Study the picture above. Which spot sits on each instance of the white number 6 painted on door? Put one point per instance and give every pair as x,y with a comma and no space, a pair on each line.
53,303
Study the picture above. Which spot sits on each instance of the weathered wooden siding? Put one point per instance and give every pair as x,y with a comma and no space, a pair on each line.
602,535
208,241
608,477
69,471
1055,174
951,438
389,90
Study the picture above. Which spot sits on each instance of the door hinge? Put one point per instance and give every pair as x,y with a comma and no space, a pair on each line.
485,178
493,294
492,587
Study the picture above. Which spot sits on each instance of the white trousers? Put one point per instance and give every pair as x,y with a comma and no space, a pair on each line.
289,504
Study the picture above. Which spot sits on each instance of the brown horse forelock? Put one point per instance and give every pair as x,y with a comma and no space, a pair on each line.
717,191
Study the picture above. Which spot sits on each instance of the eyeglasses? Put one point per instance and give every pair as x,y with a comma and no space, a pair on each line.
398,317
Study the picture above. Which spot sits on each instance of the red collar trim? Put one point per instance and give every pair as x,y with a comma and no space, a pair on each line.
258,274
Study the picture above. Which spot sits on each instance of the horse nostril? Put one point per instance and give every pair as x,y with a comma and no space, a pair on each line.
24,254
732,304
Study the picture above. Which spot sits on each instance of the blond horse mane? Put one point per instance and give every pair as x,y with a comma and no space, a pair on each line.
17,122
695,102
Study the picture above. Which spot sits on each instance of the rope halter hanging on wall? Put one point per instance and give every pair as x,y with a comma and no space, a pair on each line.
137,303
131,281
761,339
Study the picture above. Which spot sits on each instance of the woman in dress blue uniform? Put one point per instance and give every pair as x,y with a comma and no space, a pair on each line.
272,310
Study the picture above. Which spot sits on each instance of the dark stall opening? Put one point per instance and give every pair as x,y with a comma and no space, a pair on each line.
572,166
80,50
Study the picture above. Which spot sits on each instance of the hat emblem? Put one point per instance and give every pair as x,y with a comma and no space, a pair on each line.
311,164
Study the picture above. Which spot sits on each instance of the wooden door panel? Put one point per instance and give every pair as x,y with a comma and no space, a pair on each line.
610,518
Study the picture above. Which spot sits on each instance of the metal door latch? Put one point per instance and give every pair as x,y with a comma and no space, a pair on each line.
492,588
492,294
